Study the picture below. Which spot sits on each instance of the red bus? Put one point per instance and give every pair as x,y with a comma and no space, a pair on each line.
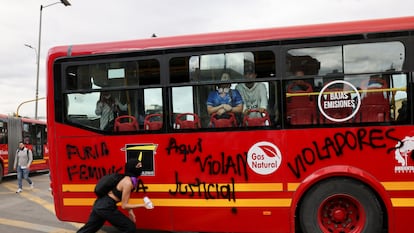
329,151
31,132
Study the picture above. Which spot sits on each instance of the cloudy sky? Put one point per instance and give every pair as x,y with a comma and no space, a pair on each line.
89,21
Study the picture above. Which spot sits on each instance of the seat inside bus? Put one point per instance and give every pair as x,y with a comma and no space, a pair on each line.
301,107
153,121
226,120
187,121
126,123
259,119
375,105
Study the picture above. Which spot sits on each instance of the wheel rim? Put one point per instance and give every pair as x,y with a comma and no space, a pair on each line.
341,214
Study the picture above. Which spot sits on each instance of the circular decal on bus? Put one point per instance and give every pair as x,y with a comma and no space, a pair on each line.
264,158
339,101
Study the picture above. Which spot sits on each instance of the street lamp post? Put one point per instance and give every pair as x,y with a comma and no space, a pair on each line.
65,3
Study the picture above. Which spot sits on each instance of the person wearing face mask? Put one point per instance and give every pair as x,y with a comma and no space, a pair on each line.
224,100
108,107
105,207
254,94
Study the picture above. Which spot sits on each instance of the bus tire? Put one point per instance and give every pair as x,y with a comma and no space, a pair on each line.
340,205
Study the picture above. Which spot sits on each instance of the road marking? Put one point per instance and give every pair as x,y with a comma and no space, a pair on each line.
33,198
31,226
26,194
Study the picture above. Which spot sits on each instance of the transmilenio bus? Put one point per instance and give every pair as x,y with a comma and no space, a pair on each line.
32,133
332,152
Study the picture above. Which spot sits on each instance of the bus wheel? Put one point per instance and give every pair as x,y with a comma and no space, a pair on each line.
340,206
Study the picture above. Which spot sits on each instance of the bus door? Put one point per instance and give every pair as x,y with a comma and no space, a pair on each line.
35,134
14,137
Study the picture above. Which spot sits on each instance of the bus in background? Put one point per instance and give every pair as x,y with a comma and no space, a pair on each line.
328,148
32,133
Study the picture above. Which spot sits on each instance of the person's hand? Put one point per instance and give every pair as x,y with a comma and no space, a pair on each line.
221,111
227,107
149,206
262,110
132,216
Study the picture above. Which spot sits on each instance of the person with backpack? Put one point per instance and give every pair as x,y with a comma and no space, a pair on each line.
22,161
105,207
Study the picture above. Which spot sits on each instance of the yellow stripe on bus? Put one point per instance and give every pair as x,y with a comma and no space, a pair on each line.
259,202
389,186
240,187
402,202
399,186
292,187
252,202
40,161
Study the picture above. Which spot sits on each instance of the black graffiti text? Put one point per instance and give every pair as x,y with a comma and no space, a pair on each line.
184,149
85,172
336,145
205,190
141,187
87,152
224,165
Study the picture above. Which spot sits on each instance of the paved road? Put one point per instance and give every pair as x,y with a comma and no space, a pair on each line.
32,211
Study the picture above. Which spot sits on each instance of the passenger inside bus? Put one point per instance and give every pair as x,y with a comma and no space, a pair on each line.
108,107
224,102
254,94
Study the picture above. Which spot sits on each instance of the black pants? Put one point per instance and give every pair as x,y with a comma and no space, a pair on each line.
105,209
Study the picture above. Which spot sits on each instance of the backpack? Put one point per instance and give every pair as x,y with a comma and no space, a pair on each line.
27,150
107,183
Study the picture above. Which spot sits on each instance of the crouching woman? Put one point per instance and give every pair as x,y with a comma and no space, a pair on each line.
105,207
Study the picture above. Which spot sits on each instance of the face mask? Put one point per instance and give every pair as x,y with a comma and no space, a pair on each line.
223,90
131,169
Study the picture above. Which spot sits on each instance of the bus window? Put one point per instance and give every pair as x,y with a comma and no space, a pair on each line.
82,100
399,96
3,132
209,68
309,69
373,57
81,109
34,134
315,61
184,116
380,92
153,109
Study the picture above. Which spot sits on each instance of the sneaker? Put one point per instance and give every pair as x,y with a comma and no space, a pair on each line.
32,185
19,190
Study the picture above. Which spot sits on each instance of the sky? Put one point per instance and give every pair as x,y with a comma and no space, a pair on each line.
90,21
